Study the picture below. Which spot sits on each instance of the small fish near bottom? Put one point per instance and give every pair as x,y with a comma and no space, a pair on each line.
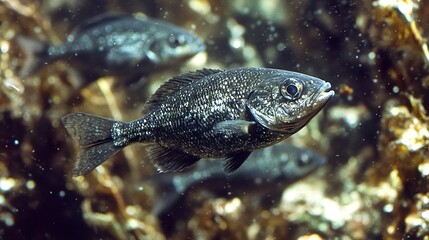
267,170
262,177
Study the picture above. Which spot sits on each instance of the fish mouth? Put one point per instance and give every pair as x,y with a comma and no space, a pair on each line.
324,94
200,46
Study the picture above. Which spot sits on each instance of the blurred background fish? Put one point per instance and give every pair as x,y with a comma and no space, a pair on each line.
114,44
266,173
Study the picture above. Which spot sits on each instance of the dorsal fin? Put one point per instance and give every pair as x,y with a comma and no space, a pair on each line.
175,84
97,20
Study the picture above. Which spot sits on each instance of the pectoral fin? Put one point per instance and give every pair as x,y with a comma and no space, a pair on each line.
238,127
234,161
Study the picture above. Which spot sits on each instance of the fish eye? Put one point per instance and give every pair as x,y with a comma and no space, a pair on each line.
176,41
303,160
291,89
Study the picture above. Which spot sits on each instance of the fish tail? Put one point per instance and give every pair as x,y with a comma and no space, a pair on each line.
35,55
94,136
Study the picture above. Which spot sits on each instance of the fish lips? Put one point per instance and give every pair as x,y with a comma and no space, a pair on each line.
324,93
195,46
201,46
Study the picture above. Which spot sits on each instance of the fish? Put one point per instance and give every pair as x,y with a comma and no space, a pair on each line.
266,171
208,113
114,44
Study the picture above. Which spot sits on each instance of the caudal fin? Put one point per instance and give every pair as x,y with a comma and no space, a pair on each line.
35,55
94,136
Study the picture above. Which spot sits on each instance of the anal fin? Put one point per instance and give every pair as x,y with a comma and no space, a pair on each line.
170,160
234,161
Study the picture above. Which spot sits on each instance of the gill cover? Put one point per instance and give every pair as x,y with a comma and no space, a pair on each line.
269,104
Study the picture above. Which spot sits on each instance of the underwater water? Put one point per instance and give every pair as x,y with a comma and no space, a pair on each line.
358,169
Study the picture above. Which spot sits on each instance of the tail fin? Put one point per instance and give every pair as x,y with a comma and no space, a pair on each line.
93,134
35,52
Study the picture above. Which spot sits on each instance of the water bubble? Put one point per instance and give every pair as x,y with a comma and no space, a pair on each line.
30,184
62,194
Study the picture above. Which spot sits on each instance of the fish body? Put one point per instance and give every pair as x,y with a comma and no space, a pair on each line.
206,114
115,44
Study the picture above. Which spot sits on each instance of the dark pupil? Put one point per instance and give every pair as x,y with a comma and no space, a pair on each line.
175,42
292,90
304,160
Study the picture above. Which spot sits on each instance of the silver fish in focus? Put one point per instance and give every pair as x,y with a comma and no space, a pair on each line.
265,171
115,44
206,114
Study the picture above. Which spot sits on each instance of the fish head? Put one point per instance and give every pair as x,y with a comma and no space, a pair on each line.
300,163
285,101
174,44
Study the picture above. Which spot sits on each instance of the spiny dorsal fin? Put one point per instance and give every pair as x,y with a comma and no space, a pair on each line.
175,84
97,20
